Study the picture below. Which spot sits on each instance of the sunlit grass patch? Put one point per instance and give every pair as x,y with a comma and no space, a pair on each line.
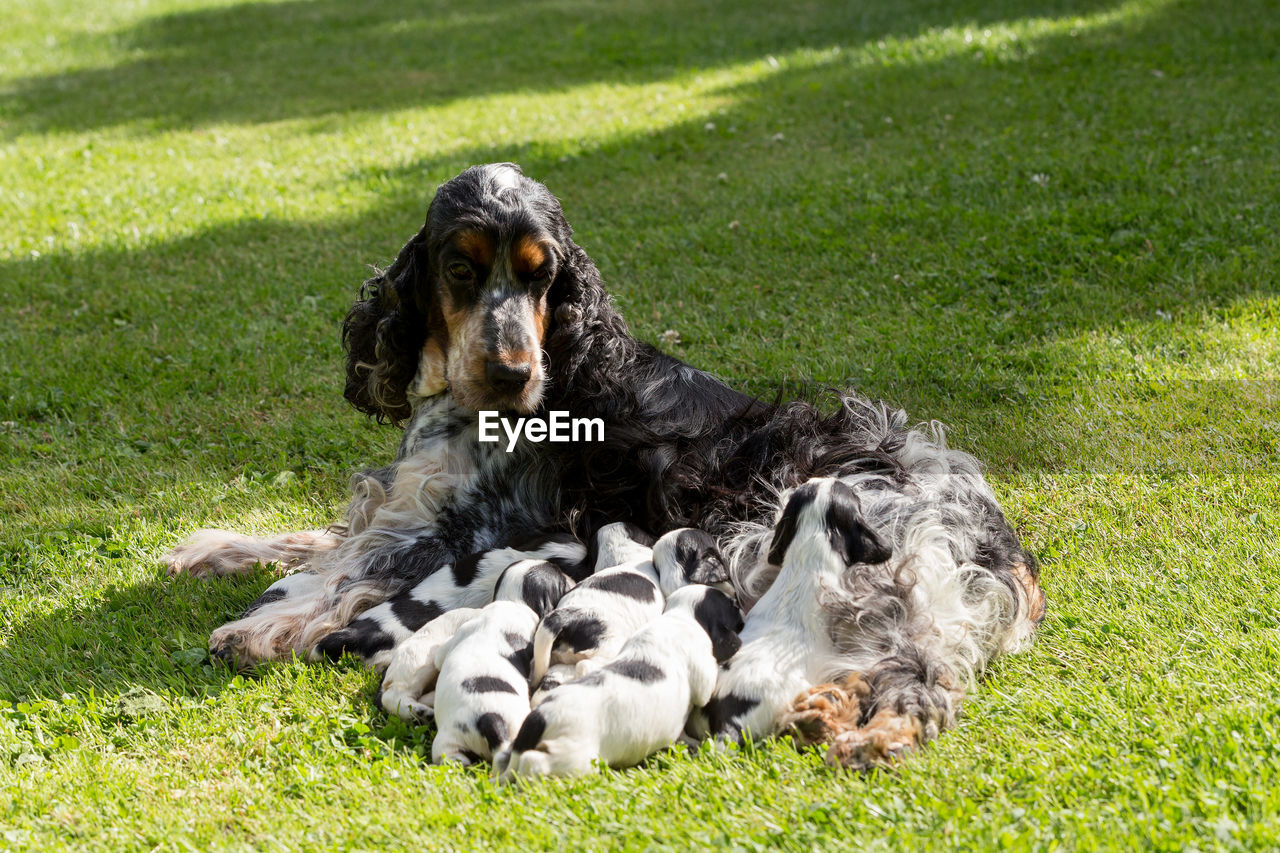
1048,223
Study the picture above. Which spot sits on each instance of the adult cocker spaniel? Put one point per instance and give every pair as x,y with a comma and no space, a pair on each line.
493,307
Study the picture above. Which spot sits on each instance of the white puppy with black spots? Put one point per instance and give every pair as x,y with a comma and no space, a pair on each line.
821,538
637,703
480,674
482,692
628,590
408,685
379,633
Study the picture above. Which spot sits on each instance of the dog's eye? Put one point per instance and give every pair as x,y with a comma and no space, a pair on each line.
541,274
460,271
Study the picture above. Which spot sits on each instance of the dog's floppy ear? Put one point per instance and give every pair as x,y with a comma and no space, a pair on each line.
543,587
785,530
848,532
385,335
586,332
722,620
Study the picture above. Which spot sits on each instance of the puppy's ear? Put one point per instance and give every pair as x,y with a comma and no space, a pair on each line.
785,530
385,335
544,586
722,620
698,553
725,644
847,529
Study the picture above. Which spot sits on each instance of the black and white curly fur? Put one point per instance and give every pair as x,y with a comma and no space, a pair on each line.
492,305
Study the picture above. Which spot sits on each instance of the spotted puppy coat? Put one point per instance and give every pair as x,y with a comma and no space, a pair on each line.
637,703
627,591
602,611
786,643
468,583
408,687
482,690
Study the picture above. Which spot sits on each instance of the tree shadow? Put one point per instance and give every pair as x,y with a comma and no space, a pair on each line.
851,213
255,62
152,635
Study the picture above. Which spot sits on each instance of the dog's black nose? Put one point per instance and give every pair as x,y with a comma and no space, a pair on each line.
507,378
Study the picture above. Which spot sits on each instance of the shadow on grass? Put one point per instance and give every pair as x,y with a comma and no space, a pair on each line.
967,217
151,634
255,62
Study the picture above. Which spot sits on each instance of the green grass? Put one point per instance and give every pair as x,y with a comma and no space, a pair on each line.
1051,224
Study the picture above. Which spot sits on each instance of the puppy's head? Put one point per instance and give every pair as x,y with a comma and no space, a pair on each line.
537,583
829,510
688,555
715,612
621,542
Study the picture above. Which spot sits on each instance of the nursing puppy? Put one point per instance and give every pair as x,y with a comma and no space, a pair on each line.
482,691
469,583
481,674
408,686
628,590
786,643
597,616
688,555
637,703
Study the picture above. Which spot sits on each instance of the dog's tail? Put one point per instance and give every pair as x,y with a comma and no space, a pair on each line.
564,636
544,639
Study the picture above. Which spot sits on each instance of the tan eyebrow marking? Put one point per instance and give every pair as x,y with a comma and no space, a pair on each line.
476,245
527,255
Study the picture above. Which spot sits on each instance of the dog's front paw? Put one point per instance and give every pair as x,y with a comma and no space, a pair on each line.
883,742
256,638
244,648
826,711
231,648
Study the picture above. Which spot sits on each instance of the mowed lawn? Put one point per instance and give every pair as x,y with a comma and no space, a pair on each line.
1052,225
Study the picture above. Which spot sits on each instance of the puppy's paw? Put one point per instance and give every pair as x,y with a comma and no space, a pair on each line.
406,707
501,761
531,763
461,757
